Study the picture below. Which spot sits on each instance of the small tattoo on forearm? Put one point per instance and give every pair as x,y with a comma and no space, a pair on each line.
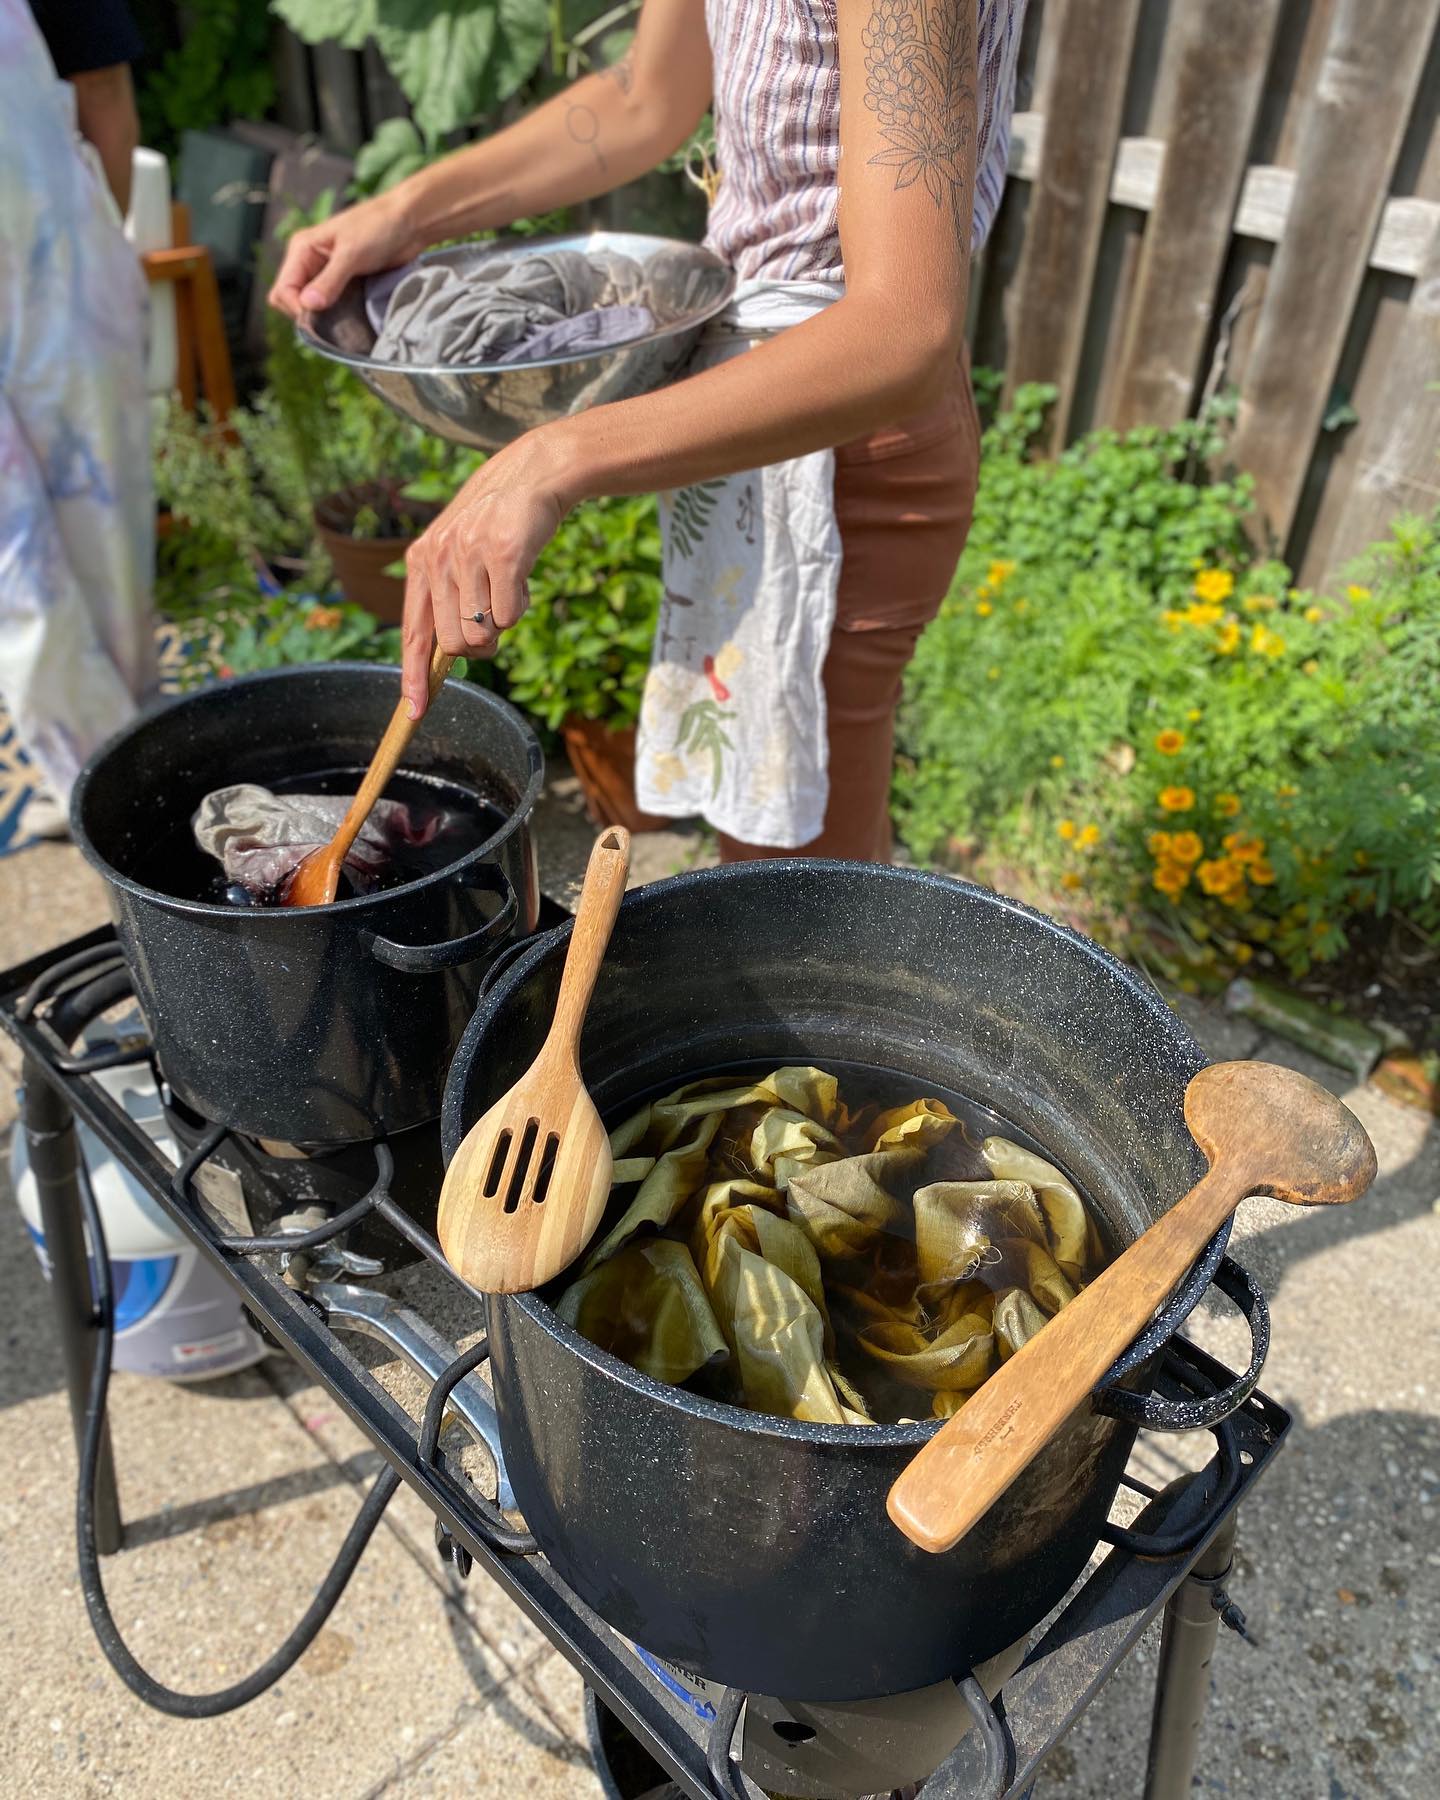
622,73
583,124
919,83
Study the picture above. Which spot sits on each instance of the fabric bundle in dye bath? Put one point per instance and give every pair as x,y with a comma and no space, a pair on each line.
790,1253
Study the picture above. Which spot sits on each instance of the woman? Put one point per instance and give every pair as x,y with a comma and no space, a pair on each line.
77,510
798,576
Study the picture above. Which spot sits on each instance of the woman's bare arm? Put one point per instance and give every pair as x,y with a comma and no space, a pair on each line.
907,124
600,132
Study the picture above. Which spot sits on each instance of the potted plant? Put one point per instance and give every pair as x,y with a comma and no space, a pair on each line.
577,660
366,529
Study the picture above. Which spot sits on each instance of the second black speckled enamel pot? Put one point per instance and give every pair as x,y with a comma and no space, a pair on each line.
756,1551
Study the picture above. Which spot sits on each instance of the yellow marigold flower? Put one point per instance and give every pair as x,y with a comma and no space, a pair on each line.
1071,880
1089,835
1285,791
1228,640
1244,849
1310,666
1171,880
1158,844
1227,805
992,673
1186,847
984,608
1194,715
1262,931
1057,762
999,572
1242,953
1357,593
1313,615
1173,620
1202,616
1214,584
1235,898
1066,828
1177,799
1265,642
1022,605
323,618
1362,861
1261,873
1217,875
1254,603
1170,743
1321,928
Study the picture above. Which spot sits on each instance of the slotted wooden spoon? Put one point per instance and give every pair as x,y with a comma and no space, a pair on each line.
527,1187
1264,1130
316,880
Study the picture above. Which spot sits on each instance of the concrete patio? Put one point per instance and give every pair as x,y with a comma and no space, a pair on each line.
237,1493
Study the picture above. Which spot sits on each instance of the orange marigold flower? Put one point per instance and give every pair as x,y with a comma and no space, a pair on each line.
1170,880
1170,743
1066,828
999,572
323,618
1089,836
1158,844
1214,584
1071,880
1227,805
1286,791
1228,639
1186,847
1217,875
1261,873
1177,799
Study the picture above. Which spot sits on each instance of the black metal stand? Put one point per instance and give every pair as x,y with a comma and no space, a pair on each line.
999,1759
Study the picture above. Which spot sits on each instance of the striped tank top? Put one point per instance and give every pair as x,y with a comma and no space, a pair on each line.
777,128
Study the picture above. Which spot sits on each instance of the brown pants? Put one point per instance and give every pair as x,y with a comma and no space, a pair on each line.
903,499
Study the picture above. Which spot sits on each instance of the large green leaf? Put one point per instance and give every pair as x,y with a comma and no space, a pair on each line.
457,58
347,22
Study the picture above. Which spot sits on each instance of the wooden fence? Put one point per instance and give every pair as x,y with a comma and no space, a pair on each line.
1239,193
1203,193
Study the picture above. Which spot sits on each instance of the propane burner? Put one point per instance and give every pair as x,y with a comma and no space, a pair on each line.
295,1233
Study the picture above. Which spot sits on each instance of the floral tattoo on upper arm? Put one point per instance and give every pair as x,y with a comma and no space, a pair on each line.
919,83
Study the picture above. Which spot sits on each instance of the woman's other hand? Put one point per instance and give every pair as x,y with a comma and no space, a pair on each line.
477,557
321,259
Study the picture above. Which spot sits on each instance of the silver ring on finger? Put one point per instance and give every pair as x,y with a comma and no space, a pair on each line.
478,618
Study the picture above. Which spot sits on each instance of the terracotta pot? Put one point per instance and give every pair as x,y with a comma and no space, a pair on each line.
604,765
361,563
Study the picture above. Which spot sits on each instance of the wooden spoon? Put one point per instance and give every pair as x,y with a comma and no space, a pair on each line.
528,1185
1264,1130
316,880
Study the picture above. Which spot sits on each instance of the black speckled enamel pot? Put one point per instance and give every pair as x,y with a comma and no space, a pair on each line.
756,1551
311,1025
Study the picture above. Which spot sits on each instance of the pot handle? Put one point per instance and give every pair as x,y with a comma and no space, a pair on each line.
426,959
1152,1412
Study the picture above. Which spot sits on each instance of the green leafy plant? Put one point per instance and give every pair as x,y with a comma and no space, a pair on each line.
583,647
1121,711
220,71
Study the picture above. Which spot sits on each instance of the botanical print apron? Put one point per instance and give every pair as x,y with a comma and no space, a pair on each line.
732,725
77,517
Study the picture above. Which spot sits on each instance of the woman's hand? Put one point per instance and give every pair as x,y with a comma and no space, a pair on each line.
321,259
477,557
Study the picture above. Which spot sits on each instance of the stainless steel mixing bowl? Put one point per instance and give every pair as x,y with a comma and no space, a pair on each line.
490,404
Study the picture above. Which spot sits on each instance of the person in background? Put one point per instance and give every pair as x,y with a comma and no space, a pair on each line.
818,465
92,44
77,507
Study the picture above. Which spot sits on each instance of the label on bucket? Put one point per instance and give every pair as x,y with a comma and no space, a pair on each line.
674,1681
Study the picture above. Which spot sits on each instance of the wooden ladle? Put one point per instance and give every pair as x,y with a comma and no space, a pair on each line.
316,880
527,1187
1264,1130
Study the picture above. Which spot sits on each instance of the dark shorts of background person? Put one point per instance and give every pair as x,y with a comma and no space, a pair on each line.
85,35
903,501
